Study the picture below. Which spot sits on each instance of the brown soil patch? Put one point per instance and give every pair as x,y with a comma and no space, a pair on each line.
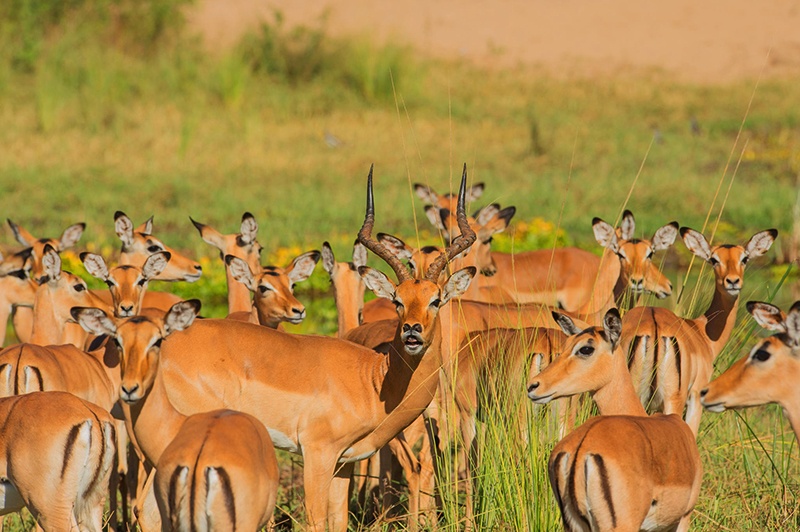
709,41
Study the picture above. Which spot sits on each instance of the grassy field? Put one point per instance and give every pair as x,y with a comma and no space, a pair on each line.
96,121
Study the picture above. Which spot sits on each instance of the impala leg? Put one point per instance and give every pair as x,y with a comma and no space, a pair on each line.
693,411
146,507
468,434
318,471
338,501
405,455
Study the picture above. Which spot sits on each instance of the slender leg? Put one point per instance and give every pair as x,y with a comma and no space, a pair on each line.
338,500
318,471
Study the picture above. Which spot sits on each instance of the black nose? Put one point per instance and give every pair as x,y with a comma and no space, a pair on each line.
198,267
703,392
298,310
417,328
127,391
126,310
533,386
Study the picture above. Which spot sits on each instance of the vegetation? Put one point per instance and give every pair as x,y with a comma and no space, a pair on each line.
111,105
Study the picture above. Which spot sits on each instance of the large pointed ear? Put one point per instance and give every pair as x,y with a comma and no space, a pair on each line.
328,259
146,228
241,272
665,236
303,266
458,283
51,262
22,236
474,192
249,228
760,243
485,214
155,264
426,193
377,281
696,243
124,228
627,226
181,315
565,323
793,324
612,325
359,254
768,316
210,235
605,234
434,217
71,235
396,247
95,265
94,320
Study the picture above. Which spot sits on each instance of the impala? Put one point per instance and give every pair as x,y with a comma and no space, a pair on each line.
208,480
621,470
671,358
16,290
56,455
449,200
769,374
348,288
339,402
242,245
273,289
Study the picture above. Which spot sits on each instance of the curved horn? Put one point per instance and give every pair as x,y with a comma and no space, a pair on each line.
461,242
365,237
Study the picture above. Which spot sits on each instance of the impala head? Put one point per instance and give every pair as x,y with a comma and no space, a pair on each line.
586,363
486,222
16,286
138,244
243,245
636,255
417,300
348,286
273,287
128,284
61,290
69,238
728,260
419,260
446,201
138,340
770,373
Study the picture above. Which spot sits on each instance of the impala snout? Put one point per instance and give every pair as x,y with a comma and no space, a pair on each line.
412,338
297,315
665,292
130,393
637,284
126,310
733,284
536,396
709,404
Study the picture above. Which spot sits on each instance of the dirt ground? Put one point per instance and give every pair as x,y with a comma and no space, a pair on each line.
708,41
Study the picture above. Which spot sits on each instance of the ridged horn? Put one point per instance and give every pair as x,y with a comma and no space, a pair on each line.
365,237
459,243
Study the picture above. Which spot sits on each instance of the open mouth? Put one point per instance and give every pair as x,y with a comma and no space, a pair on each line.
541,399
733,291
412,343
715,407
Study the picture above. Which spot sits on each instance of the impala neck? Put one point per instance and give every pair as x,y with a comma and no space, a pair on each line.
618,397
719,320
792,413
48,329
349,305
264,319
239,299
602,296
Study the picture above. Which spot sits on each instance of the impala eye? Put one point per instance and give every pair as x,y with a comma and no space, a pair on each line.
119,345
109,283
586,351
714,262
79,288
154,249
436,303
19,274
745,258
157,343
264,289
142,282
649,254
397,304
762,355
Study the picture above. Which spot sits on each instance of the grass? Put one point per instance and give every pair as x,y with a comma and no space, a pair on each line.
92,125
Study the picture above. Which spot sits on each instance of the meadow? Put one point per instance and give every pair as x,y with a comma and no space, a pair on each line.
111,106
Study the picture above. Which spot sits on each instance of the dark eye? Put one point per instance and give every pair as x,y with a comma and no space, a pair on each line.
263,289
586,350
109,283
19,274
79,288
154,249
745,258
762,355
649,254
116,343
158,343
142,282
714,262
436,302
398,305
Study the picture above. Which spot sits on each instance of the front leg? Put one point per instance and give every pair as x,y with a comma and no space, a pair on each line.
338,508
319,466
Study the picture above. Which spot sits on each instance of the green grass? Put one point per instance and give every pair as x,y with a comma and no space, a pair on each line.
147,123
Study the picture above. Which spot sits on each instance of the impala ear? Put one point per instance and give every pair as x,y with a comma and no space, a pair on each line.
146,228
95,265
696,243
474,192
328,260
241,272
605,235
627,227
51,262
124,228
665,236
377,281
485,214
760,243
426,193
71,235
303,266
565,323
458,283
181,315
249,228
793,324
612,325
210,235
396,247
155,264
94,320
434,216
359,254
768,316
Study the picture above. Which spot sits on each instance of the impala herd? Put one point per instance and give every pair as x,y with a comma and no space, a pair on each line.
198,405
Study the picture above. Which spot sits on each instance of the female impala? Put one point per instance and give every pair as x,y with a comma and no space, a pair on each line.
348,288
621,470
769,374
16,290
56,455
347,403
449,200
671,358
